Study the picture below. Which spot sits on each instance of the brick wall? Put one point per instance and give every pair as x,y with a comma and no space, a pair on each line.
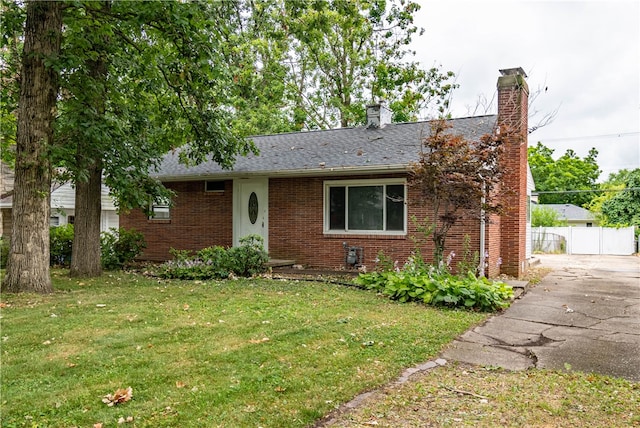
199,219
296,228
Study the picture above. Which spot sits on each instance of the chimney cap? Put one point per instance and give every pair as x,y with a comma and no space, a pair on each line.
513,71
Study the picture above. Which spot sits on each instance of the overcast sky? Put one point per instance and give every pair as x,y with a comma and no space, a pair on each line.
586,53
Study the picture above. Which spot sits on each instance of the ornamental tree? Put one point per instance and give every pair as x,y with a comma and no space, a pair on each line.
458,178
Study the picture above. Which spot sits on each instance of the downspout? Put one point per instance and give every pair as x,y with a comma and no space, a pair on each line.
482,231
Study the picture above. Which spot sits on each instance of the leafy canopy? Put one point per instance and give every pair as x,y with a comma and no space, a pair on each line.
622,208
567,173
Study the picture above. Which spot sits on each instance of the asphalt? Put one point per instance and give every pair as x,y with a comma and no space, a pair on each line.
583,316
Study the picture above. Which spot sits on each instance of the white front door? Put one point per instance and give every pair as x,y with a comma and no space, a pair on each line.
251,209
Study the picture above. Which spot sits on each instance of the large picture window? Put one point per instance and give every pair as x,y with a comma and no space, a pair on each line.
365,206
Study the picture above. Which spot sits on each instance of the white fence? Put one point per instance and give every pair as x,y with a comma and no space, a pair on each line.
584,240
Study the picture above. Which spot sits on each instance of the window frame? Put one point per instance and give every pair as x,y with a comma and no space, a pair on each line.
165,205
221,184
328,184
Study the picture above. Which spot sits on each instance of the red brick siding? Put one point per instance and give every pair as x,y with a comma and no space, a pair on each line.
199,219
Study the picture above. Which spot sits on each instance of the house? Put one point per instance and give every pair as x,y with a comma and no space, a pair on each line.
6,189
62,205
333,199
573,214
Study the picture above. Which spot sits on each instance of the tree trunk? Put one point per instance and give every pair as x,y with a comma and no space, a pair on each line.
28,262
85,255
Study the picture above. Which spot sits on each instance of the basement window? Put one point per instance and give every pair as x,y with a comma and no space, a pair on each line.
365,206
214,186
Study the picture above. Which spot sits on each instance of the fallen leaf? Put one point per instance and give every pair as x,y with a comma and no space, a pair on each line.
4,305
185,307
119,396
280,389
180,384
97,425
264,339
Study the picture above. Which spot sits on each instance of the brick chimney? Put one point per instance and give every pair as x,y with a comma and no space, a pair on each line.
513,99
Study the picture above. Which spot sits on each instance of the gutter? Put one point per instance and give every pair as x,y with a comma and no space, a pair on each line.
292,173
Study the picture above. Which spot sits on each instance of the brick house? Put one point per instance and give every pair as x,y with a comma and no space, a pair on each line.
317,196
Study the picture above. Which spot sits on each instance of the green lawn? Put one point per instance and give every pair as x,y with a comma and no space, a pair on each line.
243,353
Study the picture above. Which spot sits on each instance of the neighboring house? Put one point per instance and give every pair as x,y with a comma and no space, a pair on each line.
573,214
62,206
333,199
6,189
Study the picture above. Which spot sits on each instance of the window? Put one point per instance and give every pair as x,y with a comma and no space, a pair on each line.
214,186
71,219
54,221
365,206
159,210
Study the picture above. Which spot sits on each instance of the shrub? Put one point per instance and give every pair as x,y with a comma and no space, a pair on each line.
120,247
249,258
217,263
60,245
4,252
438,287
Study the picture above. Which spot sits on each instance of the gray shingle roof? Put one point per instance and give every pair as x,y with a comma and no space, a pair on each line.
344,150
571,212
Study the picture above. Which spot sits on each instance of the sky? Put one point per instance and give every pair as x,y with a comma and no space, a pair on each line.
582,58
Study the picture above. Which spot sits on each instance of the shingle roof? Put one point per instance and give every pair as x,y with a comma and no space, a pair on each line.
344,150
571,212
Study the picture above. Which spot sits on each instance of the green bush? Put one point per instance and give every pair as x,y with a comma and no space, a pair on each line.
438,287
60,245
248,259
4,252
120,247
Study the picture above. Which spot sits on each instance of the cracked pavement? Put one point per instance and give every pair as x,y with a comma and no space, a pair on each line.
583,316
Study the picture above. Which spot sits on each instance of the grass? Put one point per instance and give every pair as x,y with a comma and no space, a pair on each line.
243,353
465,396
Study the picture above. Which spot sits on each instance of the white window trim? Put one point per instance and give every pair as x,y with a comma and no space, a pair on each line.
366,182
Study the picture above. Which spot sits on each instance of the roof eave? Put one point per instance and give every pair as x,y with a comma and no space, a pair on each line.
306,172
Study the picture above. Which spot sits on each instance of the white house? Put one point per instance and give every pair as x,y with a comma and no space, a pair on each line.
63,204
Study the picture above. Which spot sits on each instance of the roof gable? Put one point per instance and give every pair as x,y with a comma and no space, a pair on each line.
344,150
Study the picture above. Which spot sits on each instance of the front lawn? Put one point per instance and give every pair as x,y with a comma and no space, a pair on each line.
243,353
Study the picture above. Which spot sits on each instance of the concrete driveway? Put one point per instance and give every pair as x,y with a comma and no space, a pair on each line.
584,316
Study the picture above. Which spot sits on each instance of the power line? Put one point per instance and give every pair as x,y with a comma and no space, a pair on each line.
546,192
587,137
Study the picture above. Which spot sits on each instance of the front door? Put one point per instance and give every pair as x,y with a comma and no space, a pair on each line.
251,209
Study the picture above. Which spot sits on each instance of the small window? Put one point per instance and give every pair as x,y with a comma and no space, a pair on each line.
54,221
368,206
71,219
589,224
159,210
214,186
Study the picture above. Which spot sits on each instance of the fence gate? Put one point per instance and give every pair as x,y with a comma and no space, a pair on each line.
584,240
